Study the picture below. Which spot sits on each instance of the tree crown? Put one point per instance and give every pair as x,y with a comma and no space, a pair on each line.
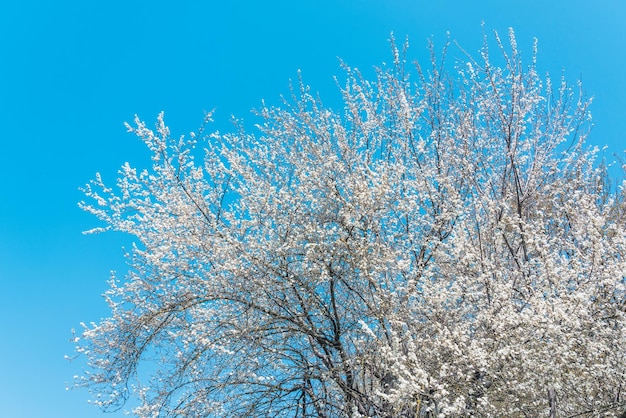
445,246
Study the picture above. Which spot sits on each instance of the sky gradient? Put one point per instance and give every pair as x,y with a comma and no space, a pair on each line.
71,72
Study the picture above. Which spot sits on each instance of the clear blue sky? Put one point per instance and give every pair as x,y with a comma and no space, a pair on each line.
71,72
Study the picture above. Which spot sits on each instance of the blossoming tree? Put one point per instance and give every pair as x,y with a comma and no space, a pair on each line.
446,245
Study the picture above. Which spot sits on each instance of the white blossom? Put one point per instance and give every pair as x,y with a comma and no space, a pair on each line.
447,246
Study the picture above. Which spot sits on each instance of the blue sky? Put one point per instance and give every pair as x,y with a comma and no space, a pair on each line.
71,72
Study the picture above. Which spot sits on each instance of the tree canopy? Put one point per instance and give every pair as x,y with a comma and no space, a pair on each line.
444,245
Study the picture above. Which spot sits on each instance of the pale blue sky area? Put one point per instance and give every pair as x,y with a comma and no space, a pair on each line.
71,72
